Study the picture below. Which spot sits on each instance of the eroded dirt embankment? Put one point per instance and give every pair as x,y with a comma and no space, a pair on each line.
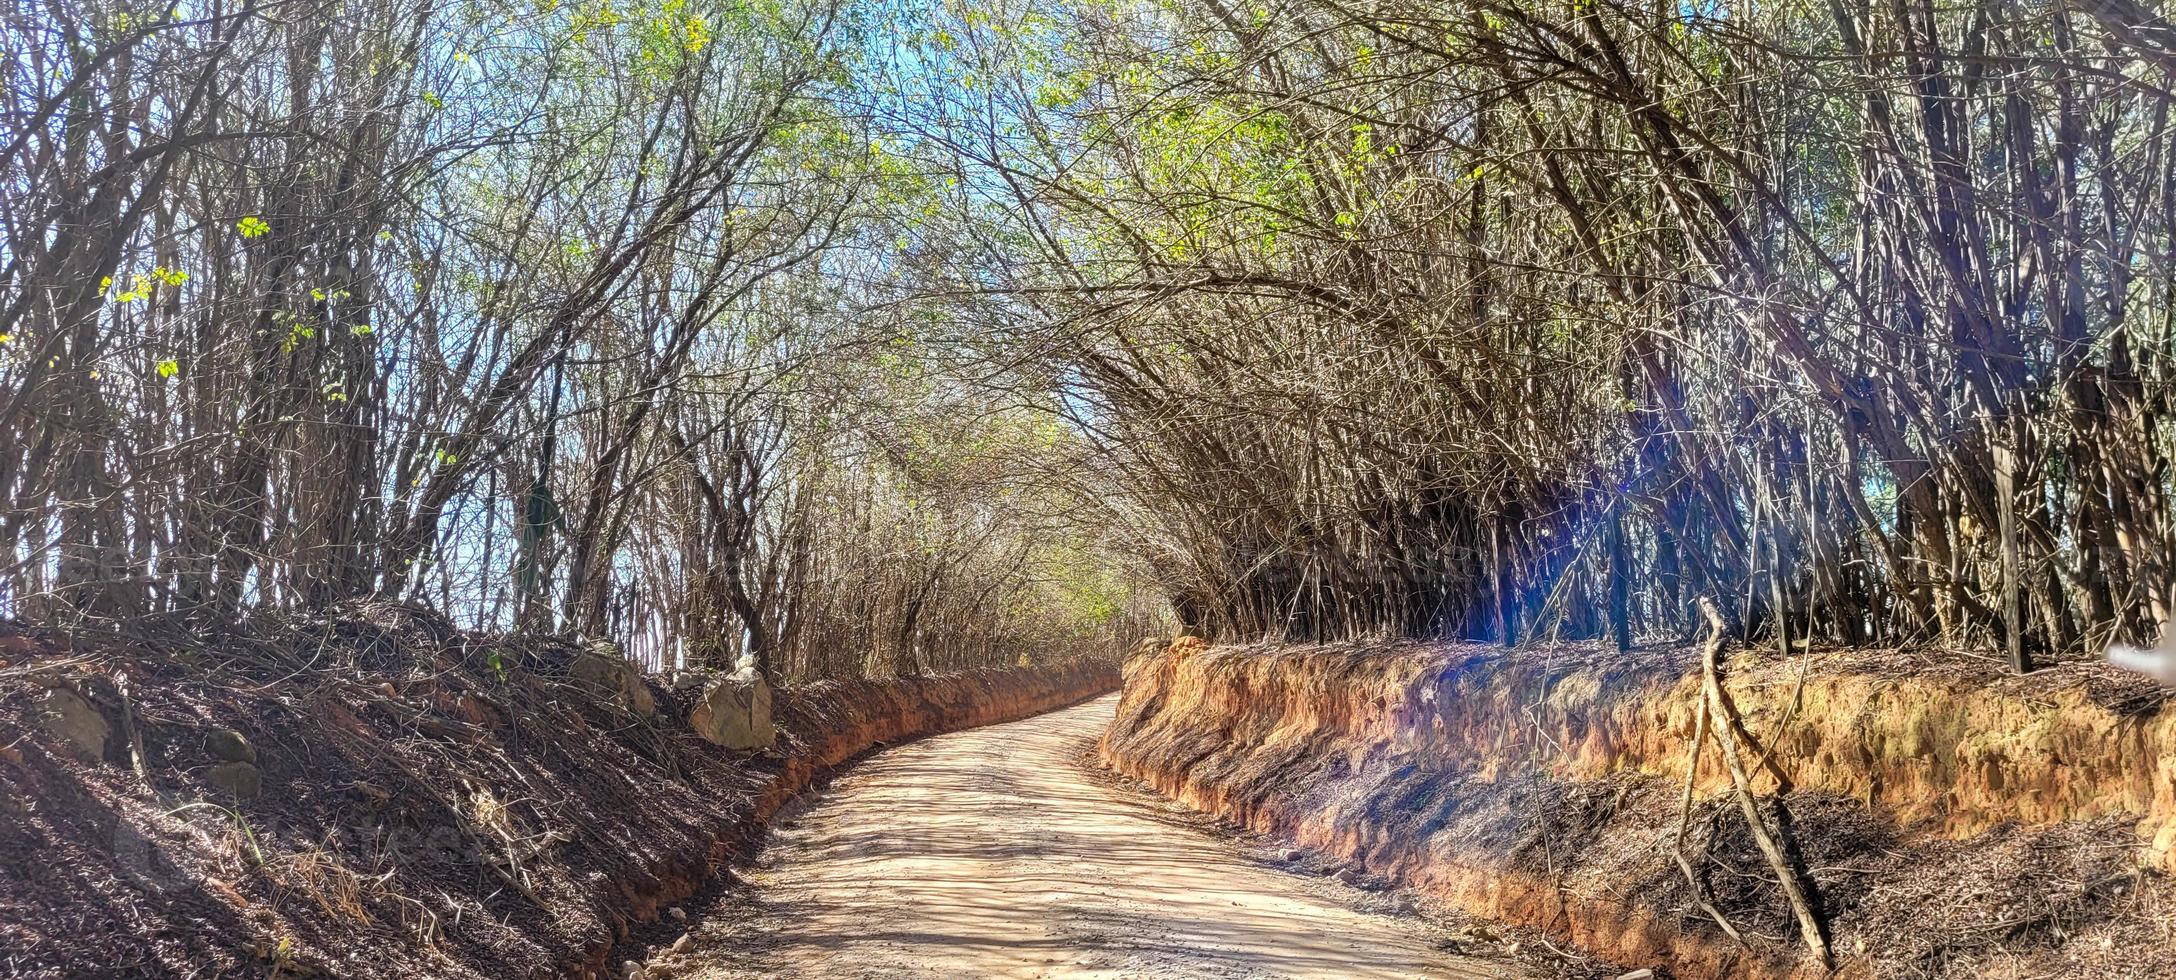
1957,823
418,802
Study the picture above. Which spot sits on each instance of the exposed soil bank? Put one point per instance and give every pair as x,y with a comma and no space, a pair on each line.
1957,823
421,802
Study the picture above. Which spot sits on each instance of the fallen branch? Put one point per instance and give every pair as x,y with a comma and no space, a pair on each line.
1716,703
1684,825
129,732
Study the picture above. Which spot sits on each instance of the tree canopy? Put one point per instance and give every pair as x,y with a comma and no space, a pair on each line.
857,335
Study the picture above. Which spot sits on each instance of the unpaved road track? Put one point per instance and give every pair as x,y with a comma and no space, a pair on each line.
995,853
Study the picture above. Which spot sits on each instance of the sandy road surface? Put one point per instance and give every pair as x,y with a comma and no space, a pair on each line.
994,853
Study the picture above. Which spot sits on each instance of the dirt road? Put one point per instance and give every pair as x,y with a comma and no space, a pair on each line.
995,853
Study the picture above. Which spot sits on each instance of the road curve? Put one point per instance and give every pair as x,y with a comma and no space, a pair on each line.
995,853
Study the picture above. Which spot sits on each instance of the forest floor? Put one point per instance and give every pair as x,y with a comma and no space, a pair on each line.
1000,852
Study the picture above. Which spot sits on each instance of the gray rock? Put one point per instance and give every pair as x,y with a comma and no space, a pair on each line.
76,722
678,914
242,779
735,712
1353,876
1637,975
603,670
229,745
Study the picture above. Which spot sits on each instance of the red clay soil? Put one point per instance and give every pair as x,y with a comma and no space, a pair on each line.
1957,823
433,803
